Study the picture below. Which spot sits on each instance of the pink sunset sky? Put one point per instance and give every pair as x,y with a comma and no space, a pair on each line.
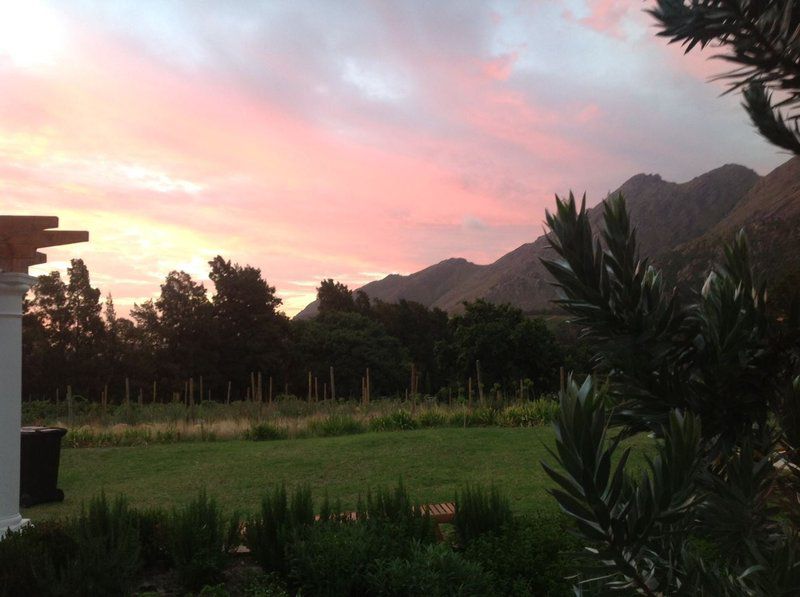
337,139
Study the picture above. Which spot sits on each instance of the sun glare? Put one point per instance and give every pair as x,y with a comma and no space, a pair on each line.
31,34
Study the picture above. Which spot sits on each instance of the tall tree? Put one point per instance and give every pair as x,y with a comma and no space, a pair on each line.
509,346
351,343
86,326
419,330
251,333
182,316
334,296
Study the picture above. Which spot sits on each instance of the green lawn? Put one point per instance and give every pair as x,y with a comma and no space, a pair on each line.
433,463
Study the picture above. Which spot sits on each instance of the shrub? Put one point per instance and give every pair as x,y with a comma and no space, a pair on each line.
396,508
335,425
264,585
479,417
479,511
279,521
103,556
400,420
430,570
265,431
432,418
153,527
200,540
531,414
530,556
335,558
26,553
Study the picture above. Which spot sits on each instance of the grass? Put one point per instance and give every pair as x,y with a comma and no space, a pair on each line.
434,464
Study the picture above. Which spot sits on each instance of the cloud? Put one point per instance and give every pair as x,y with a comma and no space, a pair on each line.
336,140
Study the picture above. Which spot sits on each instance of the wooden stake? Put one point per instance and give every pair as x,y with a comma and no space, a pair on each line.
191,392
155,392
480,383
333,385
367,388
127,392
260,393
270,389
309,386
228,393
69,406
363,389
316,390
201,389
252,386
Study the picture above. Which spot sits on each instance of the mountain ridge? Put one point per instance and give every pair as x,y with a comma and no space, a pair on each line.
667,215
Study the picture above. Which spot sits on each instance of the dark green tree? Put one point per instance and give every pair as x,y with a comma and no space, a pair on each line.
251,334
419,329
509,346
86,326
180,327
760,38
351,343
718,383
335,296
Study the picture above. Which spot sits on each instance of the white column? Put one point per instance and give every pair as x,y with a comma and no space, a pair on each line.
13,287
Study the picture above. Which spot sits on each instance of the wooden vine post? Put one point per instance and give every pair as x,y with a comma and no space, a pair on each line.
333,385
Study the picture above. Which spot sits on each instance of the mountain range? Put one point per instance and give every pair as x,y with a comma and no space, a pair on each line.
679,225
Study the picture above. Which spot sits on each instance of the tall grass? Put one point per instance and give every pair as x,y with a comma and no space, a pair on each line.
290,418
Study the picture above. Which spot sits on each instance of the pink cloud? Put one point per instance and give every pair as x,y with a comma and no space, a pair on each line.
501,67
270,158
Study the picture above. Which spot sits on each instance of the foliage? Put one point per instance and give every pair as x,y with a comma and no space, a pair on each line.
480,511
430,570
153,525
530,414
508,345
279,522
250,333
760,38
350,343
333,425
532,555
26,553
200,541
393,507
710,380
334,558
400,420
103,555
266,431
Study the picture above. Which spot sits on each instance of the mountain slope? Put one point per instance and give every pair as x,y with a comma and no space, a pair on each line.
770,215
666,215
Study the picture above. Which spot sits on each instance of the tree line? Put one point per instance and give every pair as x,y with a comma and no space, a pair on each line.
237,344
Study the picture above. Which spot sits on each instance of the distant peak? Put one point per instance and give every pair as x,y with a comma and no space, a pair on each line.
643,178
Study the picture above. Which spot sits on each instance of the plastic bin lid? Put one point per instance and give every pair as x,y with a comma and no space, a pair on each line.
36,429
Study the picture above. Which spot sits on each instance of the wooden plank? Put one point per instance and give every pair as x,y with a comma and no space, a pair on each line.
25,224
43,238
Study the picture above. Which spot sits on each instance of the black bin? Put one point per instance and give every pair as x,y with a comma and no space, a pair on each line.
41,452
